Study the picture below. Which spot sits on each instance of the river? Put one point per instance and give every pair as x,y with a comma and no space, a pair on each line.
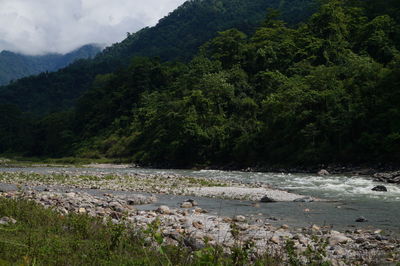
348,197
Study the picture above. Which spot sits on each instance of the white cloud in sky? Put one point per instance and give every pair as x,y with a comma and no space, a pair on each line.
42,26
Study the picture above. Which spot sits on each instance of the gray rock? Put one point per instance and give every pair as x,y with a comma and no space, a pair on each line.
361,219
194,203
323,172
239,218
267,199
380,188
194,243
305,199
338,239
163,210
275,239
7,221
186,205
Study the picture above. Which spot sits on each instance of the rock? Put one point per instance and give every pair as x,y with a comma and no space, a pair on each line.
194,243
267,199
81,210
315,228
198,225
305,199
393,177
116,206
200,210
163,210
275,239
226,220
380,188
361,219
381,238
140,199
194,203
7,221
360,240
323,172
186,205
338,239
239,218
285,226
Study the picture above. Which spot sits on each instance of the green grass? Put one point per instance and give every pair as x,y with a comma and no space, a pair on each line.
66,161
43,237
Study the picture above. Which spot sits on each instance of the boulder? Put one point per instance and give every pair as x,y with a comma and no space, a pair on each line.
239,218
7,221
267,199
186,205
163,210
198,225
338,239
194,203
380,188
361,219
194,243
323,172
305,199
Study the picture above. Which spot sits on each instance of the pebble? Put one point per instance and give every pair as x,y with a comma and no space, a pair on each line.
361,219
163,209
7,221
186,205
239,218
338,239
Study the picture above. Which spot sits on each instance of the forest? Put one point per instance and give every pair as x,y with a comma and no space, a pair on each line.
325,90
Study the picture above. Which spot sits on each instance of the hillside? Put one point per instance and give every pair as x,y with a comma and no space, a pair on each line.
325,91
14,66
176,37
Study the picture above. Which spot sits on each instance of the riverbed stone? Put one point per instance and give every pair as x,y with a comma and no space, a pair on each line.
323,172
198,224
267,199
7,221
275,239
186,205
380,188
304,199
163,210
361,219
338,239
239,218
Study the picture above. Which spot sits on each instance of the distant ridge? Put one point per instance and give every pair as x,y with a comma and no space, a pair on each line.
14,66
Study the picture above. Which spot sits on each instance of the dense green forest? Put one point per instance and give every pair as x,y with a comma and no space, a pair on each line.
14,66
322,91
175,37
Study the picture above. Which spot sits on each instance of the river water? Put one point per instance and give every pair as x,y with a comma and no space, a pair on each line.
349,197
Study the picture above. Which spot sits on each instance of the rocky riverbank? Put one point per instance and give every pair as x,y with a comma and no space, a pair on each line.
194,227
154,183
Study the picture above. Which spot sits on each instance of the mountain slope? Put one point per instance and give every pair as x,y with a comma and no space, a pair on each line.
14,66
177,36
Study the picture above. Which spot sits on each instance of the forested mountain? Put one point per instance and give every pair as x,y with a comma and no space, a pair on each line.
323,91
176,37
14,66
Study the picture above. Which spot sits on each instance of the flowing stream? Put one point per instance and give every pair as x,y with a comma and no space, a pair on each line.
349,197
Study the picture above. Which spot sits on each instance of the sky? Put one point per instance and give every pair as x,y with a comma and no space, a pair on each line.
60,26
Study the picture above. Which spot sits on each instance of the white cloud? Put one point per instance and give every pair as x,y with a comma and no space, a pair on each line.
41,26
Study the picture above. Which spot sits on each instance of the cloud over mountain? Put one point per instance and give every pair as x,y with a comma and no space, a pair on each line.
36,27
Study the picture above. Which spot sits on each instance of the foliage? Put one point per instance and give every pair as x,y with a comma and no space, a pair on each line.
324,91
175,37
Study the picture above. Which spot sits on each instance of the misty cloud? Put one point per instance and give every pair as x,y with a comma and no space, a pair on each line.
42,26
